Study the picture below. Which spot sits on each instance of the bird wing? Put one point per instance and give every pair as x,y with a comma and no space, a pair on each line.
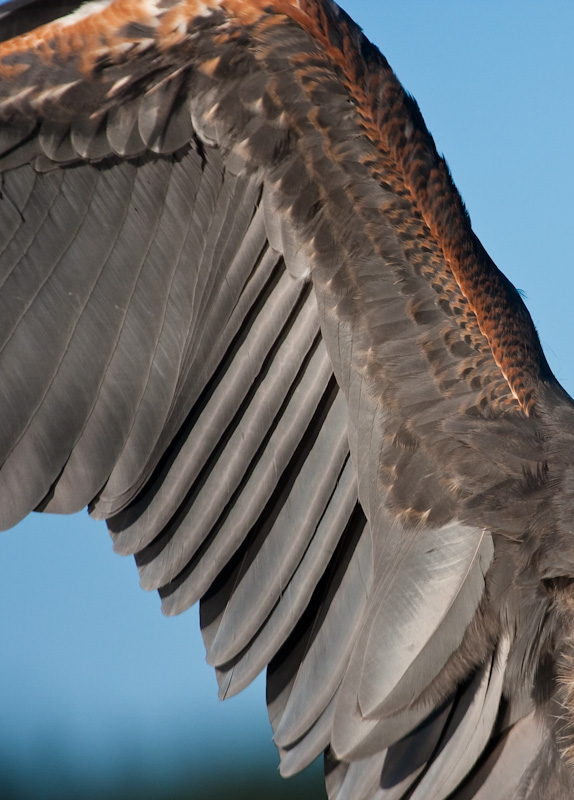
244,318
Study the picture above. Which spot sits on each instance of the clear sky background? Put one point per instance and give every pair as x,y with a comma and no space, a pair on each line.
90,671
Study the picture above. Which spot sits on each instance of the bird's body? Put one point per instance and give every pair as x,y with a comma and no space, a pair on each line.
246,320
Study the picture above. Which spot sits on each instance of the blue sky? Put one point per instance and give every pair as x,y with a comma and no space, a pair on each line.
89,668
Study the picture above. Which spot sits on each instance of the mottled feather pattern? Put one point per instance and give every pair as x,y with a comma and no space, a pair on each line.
390,118
244,318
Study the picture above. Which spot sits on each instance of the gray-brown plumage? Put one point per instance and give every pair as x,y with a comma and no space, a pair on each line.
244,318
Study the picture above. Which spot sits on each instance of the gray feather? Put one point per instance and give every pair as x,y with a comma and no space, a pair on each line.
333,643
467,733
414,594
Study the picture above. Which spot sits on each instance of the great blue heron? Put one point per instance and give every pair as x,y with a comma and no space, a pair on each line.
221,452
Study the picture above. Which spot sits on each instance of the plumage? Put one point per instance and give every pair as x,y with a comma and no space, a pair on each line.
245,319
